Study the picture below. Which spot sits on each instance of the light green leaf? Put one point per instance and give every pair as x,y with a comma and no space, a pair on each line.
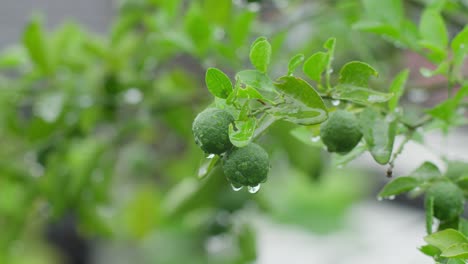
240,28
260,55
357,73
456,261
378,133
218,83
398,186
315,65
427,171
250,93
432,28
446,110
198,28
304,106
429,208
256,79
294,62
386,11
242,132
35,41
397,88
378,28
459,250
445,238
359,95
460,41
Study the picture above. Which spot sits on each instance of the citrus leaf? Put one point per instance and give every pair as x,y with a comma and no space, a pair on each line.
357,73
432,28
397,88
426,171
459,250
34,39
398,186
445,238
378,28
242,133
218,83
430,250
378,133
260,55
446,110
359,95
256,79
315,65
217,11
247,243
294,62
456,261
429,207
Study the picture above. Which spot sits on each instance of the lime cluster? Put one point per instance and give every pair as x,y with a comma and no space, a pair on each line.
341,132
246,166
448,200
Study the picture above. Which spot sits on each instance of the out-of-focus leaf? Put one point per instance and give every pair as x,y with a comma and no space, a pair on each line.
35,41
218,83
217,11
429,207
386,11
239,29
378,133
445,238
427,171
242,133
397,88
247,243
198,28
456,251
446,110
294,62
260,55
398,186
142,213
432,28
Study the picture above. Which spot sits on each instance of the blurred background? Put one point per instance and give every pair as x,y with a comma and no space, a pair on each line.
98,164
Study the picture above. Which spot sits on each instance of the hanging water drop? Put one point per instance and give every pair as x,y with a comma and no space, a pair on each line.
335,102
315,139
253,189
237,188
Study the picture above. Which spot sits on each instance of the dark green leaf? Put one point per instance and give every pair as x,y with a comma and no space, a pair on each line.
430,250
398,186
242,133
445,238
315,65
459,250
218,83
378,133
35,41
260,55
294,62
256,79
357,73
397,88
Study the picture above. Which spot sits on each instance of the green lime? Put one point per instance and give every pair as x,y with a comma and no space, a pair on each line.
341,132
211,130
247,166
448,200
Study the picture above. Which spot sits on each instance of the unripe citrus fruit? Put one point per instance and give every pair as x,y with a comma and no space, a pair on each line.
247,166
448,200
340,133
211,130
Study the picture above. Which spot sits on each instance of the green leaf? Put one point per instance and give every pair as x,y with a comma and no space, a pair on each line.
260,55
378,133
304,106
240,28
357,73
359,95
35,41
460,42
398,186
427,171
456,261
397,88
256,79
445,238
198,28
218,83
294,62
315,65
378,28
432,28
386,11
250,93
330,46
459,250
247,243
429,208
430,250
217,11
242,133
446,110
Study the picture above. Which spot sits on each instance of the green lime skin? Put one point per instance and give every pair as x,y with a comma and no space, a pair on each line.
247,166
341,132
211,130
448,200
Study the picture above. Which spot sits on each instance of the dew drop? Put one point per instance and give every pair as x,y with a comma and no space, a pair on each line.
253,189
210,156
237,188
315,139
335,102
